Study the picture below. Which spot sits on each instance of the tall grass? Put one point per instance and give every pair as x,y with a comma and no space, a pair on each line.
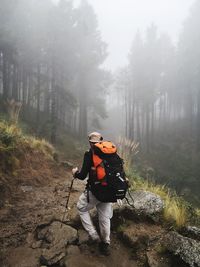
175,208
12,138
127,149
40,145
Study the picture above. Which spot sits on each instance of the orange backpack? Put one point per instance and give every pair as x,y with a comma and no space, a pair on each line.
108,148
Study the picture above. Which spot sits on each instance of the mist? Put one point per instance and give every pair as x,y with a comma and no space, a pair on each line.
124,18
124,68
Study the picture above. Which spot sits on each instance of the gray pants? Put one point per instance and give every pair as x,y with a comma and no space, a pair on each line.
104,211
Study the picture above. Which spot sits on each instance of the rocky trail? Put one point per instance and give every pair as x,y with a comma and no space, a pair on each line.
32,235
35,210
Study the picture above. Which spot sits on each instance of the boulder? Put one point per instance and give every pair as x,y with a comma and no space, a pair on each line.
155,260
140,235
56,239
145,203
83,237
186,248
193,232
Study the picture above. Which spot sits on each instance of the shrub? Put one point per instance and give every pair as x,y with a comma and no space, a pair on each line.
9,136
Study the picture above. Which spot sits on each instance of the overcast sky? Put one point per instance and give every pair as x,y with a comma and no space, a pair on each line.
120,19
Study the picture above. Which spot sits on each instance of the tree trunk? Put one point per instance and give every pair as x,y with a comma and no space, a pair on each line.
138,122
53,106
38,95
5,78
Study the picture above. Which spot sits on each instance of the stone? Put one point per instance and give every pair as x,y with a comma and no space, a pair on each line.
186,248
154,260
73,250
193,231
83,236
66,164
36,244
58,237
146,203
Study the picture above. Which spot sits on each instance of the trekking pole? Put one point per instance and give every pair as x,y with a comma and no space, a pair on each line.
66,206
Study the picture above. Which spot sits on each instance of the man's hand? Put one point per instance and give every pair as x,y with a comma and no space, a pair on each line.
74,170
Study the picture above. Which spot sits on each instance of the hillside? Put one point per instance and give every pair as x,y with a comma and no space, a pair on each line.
34,188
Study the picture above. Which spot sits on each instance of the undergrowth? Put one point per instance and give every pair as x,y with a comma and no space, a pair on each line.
177,212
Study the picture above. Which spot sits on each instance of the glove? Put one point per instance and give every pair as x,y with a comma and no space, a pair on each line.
74,171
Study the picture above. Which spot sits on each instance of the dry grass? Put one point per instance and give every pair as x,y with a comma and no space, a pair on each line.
40,145
127,149
175,209
12,138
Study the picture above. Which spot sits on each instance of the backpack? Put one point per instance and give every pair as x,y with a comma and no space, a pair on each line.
108,177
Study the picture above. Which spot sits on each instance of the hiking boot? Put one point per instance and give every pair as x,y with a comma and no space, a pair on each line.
104,248
93,239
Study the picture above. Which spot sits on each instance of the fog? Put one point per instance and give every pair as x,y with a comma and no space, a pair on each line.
119,20
60,60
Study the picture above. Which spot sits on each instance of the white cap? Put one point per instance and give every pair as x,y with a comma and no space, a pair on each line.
95,137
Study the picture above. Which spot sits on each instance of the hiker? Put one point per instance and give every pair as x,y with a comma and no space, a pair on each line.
88,201
93,196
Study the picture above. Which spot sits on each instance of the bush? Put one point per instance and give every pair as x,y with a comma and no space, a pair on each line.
9,136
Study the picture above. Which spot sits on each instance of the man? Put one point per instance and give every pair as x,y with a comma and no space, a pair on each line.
88,201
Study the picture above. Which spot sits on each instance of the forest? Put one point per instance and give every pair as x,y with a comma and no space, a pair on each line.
51,69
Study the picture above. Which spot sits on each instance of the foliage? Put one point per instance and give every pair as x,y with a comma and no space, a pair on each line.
10,134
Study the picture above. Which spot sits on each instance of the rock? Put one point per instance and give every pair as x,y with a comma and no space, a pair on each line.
82,237
193,232
140,236
146,203
186,248
26,188
135,240
66,164
57,237
154,260
36,244
73,250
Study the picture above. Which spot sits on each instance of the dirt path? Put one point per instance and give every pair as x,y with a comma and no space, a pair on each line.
32,206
